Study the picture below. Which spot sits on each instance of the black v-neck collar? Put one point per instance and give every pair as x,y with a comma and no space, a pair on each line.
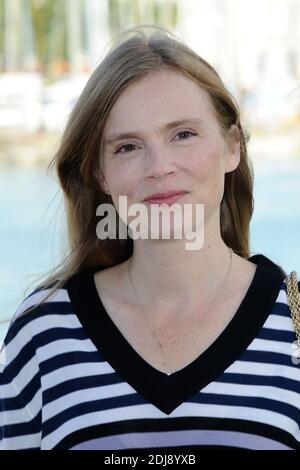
164,391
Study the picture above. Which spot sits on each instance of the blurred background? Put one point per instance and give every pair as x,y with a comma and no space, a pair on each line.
49,48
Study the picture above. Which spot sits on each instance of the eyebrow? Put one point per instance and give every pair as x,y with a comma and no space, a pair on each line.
130,135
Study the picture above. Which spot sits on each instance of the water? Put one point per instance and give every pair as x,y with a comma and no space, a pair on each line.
32,225
275,225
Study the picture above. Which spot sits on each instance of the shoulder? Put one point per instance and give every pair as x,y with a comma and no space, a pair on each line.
40,311
40,304
281,317
282,302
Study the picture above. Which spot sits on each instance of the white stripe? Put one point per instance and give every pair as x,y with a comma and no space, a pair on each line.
99,417
274,321
22,415
277,322
54,320
21,442
75,371
265,369
116,390
282,297
184,410
35,327
258,391
13,349
61,295
272,346
64,346
85,396
23,378
3,358
271,418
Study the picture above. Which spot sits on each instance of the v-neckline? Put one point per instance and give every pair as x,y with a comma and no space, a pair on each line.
164,391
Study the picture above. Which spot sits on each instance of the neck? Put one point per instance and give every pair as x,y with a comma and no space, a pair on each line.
168,277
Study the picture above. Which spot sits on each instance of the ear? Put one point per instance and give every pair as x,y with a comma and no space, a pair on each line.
233,148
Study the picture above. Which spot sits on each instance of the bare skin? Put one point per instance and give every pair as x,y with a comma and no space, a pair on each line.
168,339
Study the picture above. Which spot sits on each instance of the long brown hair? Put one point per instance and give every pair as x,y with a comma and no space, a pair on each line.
77,162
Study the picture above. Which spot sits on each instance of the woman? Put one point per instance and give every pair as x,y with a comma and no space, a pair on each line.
143,343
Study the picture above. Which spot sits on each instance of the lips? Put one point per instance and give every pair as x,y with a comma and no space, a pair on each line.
164,195
167,197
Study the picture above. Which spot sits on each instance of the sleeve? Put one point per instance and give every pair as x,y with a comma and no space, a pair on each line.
20,389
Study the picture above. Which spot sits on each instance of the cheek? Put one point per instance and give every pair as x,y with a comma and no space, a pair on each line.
217,183
207,164
119,179
207,169
122,182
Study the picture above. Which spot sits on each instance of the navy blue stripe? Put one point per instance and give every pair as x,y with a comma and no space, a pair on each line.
178,424
80,383
249,379
54,334
23,429
136,399
283,285
277,335
24,397
268,357
23,357
91,407
70,358
49,308
258,403
281,309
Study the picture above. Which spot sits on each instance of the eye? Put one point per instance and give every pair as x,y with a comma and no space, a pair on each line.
124,146
185,132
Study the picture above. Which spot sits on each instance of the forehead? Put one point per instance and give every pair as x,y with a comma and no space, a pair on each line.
164,96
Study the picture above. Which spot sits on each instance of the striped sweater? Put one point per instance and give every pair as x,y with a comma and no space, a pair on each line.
70,380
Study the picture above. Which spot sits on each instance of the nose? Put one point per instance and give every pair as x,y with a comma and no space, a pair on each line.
160,162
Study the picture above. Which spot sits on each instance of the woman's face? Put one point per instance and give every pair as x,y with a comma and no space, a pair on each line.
161,153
